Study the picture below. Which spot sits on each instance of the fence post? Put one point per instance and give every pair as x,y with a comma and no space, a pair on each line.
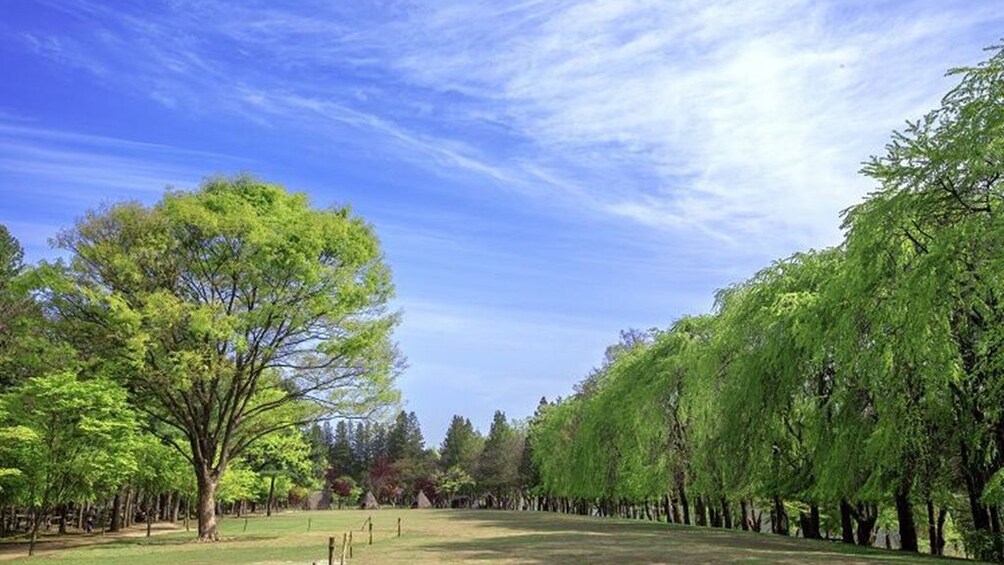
371,532
345,544
331,550
350,544
398,526
308,523
245,524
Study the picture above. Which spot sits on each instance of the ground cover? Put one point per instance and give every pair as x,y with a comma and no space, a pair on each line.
448,536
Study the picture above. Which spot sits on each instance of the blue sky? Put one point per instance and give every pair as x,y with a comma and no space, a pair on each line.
542,173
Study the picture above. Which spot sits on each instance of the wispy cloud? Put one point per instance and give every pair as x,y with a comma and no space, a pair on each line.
743,118
744,121
69,169
738,119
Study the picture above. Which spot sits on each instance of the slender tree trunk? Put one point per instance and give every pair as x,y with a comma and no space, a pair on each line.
64,509
176,508
932,528
781,517
743,508
149,513
36,523
726,514
974,488
702,516
683,502
907,527
271,495
129,502
942,514
846,523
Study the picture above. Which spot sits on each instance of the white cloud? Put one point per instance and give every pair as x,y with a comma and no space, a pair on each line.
744,120
747,118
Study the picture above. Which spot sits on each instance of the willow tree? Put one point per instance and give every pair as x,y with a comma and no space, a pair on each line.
926,247
230,312
778,382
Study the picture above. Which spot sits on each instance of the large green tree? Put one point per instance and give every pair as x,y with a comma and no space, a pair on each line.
223,307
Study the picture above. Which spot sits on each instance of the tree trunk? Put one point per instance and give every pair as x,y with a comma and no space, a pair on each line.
846,523
974,488
743,509
702,517
149,514
129,501
810,522
907,527
781,527
684,503
64,509
36,523
932,528
866,515
176,508
941,530
207,507
271,495
726,514
116,524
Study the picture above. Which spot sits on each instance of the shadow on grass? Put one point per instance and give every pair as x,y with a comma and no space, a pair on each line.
97,542
540,537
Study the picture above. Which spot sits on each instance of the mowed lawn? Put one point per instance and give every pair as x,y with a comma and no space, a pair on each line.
456,536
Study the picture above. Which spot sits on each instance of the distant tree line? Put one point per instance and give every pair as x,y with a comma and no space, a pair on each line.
392,461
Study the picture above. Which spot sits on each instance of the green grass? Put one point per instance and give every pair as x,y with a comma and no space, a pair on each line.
455,536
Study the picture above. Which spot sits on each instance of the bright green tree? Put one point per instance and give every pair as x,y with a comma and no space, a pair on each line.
79,443
220,308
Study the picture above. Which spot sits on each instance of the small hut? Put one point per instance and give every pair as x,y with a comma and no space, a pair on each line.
423,501
370,502
318,500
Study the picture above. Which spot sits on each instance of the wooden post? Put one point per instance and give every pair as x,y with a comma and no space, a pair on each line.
398,526
350,544
371,532
308,523
331,550
245,524
345,544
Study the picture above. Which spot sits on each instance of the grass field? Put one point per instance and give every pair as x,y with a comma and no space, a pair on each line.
451,536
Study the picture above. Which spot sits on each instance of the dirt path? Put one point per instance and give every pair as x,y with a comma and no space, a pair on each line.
51,543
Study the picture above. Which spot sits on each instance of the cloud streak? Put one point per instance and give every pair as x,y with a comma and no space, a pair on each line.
743,121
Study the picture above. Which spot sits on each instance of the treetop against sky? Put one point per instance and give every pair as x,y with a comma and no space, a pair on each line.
541,175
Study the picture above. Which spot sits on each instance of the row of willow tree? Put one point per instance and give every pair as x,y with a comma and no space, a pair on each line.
833,384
